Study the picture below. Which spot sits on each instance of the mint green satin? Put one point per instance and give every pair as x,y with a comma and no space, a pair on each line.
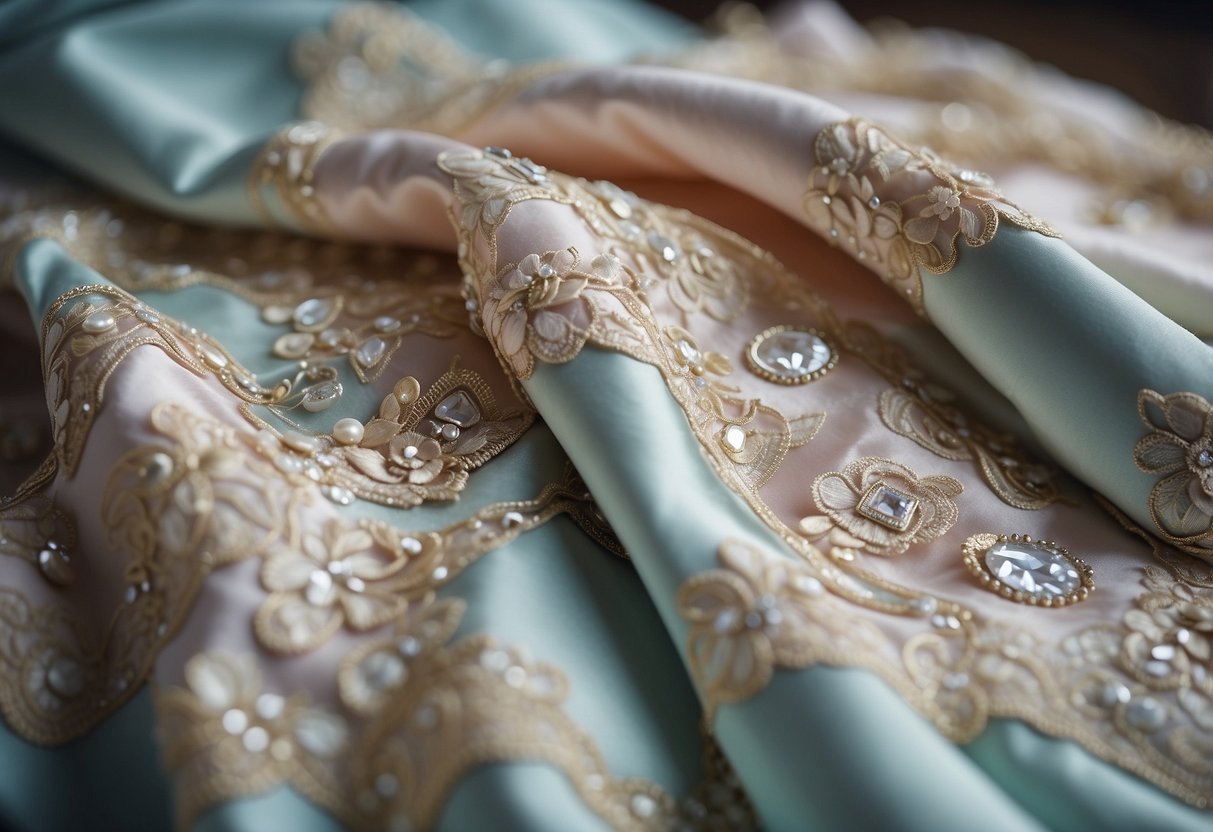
1071,348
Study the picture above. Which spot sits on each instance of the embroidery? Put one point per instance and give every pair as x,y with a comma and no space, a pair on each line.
881,507
927,413
287,165
380,66
1179,447
898,209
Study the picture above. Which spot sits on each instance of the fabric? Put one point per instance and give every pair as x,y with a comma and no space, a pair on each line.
550,416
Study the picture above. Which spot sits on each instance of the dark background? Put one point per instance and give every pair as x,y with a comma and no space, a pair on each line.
1159,53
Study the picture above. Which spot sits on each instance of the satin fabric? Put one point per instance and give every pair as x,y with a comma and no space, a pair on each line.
147,105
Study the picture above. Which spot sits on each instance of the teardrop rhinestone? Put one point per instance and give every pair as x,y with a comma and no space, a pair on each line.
294,344
212,356
98,322
370,351
55,564
316,313
459,409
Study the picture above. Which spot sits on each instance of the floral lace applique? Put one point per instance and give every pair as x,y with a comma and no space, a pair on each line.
897,209
419,711
881,507
1179,447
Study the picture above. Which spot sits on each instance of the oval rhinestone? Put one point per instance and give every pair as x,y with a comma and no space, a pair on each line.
790,355
321,396
1033,569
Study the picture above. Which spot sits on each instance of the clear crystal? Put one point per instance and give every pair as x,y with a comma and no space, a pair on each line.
792,354
315,312
458,408
1204,459
370,351
1033,569
888,506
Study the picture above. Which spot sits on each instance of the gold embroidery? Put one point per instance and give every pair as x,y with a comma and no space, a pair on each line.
287,164
899,209
926,509
1179,447
392,762
380,66
926,412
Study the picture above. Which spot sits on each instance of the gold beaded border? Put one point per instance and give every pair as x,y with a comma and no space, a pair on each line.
979,544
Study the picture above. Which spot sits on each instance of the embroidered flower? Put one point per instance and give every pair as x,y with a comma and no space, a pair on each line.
375,671
1179,447
882,506
324,582
225,720
535,309
746,618
941,202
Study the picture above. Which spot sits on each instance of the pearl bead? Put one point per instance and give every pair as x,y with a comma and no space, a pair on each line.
348,431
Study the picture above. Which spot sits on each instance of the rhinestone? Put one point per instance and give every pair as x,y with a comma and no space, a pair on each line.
664,246
450,432
370,351
146,315
1147,714
340,495
1163,652
924,605
411,545
315,313
98,322
65,677
874,202
511,519
499,152
321,396
788,355
386,323
331,337
1114,693
320,589
55,564
294,344
1032,569
734,438
1204,459
381,671
440,573
690,355
888,506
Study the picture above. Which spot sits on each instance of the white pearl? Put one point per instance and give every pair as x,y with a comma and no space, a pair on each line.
348,431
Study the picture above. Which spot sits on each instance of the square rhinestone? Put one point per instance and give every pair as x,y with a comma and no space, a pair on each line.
888,506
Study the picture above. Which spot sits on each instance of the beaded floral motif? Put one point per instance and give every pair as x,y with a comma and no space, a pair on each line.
898,209
925,503
1179,447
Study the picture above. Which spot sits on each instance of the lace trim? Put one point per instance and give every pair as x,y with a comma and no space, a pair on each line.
380,66
897,209
1179,449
